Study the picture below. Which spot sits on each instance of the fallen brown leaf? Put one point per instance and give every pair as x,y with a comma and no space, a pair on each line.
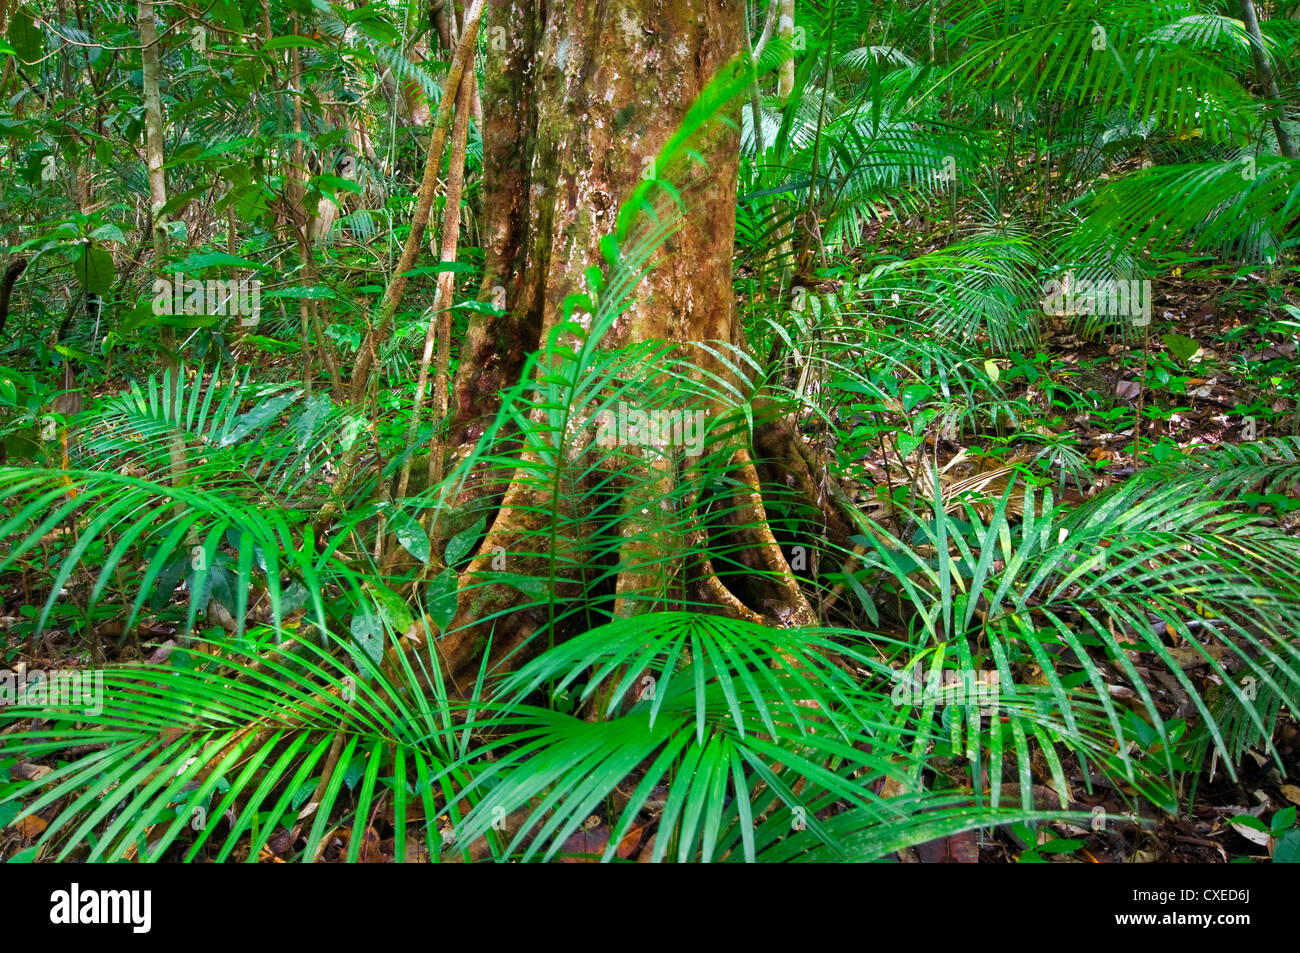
30,826
627,847
590,844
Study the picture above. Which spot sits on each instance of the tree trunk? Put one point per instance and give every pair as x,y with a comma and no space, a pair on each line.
1264,71
580,103
154,148
154,155
785,81
580,100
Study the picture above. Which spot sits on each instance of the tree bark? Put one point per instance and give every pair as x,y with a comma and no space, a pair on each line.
1264,71
154,155
154,148
580,100
785,81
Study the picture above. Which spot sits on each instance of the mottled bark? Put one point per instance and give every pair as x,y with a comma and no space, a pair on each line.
154,159
1264,71
785,30
494,348
581,98
153,124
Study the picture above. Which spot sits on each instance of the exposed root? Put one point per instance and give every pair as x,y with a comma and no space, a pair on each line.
786,458
713,588
794,609
504,615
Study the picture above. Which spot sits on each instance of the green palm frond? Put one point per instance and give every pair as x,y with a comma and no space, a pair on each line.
152,536
1161,567
1117,55
985,288
217,750
255,437
754,732
1245,208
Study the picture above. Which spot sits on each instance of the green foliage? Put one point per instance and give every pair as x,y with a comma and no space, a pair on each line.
901,213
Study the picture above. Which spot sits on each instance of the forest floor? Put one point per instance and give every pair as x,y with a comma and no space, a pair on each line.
1211,371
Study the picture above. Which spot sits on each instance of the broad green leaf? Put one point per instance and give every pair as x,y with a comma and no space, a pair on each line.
459,546
94,268
27,39
410,534
292,42
1181,347
441,598
1287,848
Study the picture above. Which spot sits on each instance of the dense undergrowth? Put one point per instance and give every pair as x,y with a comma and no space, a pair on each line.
1051,551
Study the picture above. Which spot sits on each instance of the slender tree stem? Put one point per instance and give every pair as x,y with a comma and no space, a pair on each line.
1264,70
424,202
